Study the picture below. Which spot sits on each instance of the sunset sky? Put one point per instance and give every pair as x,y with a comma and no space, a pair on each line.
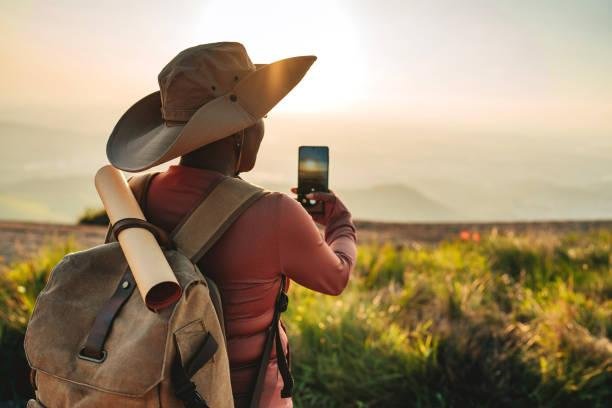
391,76
548,62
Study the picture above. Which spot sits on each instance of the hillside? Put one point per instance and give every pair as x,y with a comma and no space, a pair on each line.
63,199
448,175
59,199
508,321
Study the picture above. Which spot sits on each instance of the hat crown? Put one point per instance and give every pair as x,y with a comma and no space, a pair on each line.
200,74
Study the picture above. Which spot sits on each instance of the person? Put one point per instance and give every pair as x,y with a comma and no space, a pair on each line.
275,236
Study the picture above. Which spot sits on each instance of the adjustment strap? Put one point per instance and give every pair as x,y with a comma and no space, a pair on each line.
283,367
184,388
203,356
282,301
94,345
160,235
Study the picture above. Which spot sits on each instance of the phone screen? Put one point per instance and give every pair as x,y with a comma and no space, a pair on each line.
313,172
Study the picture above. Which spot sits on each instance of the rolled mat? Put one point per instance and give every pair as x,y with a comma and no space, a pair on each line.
154,278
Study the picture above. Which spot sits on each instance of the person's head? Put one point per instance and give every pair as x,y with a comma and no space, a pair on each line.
236,153
207,93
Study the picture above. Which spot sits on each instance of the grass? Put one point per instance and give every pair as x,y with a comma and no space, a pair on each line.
505,321
20,283
93,216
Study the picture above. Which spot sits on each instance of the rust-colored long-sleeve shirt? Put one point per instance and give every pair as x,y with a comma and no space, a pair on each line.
272,237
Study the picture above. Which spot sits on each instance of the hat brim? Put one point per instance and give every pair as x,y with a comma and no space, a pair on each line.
141,139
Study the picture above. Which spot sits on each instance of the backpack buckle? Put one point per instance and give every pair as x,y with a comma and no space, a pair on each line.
196,401
190,396
98,359
283,302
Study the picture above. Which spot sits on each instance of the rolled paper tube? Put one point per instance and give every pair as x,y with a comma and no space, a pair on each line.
155,279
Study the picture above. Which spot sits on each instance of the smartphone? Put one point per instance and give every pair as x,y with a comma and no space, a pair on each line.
313,174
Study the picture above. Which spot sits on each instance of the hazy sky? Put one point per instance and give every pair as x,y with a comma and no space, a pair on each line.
547,62
389,70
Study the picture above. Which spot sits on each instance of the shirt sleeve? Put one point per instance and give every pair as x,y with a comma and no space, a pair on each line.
320,264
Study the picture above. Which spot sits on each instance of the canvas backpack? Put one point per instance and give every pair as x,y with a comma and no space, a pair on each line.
92,342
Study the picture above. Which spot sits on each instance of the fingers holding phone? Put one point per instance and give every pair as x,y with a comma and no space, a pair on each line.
313,180
323,207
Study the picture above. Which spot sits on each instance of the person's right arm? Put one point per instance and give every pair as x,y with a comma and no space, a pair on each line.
320,264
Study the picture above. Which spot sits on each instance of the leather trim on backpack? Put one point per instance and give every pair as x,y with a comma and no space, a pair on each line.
94,345
160,235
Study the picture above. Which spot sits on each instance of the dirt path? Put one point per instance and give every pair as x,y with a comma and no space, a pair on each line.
433,233
20,240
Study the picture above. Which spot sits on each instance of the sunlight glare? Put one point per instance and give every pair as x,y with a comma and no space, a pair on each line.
273,30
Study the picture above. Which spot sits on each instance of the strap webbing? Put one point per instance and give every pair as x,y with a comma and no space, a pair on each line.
282,302
184,388
207,223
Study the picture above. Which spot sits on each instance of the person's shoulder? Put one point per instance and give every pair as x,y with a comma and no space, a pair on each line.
275,197
281,201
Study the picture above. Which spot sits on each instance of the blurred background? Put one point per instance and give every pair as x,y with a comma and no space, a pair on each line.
471,140
433,111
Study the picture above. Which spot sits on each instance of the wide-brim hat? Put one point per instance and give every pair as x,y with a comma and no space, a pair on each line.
207,92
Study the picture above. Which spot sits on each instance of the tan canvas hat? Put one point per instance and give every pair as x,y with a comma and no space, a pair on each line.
207,92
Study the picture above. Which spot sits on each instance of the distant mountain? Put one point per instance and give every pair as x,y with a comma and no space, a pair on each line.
46,174
523,200
387,202
61,199
34,151
395,202
556,201
64,199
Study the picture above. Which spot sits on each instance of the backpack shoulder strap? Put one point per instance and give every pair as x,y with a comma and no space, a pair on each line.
282,361
214,215
197,233
139,186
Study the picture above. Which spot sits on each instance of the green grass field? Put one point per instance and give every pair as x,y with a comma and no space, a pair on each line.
505,321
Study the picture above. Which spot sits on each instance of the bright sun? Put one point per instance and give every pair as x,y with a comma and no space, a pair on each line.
273,30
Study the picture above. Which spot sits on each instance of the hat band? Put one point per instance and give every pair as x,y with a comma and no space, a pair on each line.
178,115
171,123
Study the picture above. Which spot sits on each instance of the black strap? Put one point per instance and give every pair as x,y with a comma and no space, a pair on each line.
283,367
282,301
94,345
184,388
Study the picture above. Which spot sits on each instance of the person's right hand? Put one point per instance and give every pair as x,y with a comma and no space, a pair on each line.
332,206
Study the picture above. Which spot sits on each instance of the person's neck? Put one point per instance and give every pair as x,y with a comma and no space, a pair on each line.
220,166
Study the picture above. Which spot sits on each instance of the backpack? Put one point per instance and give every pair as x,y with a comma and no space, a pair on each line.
92,342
